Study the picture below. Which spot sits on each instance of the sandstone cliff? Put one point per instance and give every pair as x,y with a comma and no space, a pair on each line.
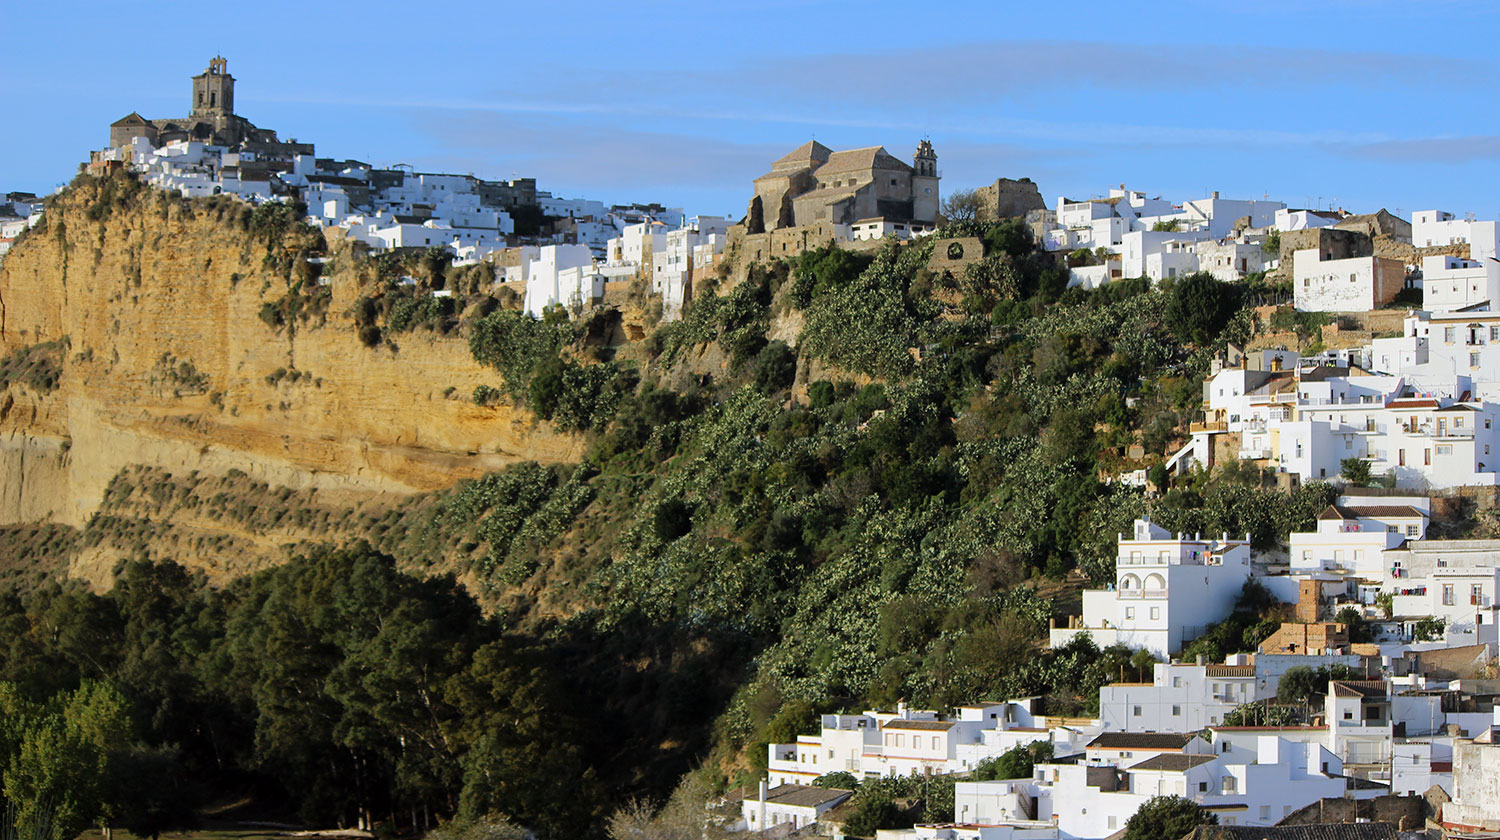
162,316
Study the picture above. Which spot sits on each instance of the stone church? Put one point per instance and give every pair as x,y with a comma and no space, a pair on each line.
815,184
211,120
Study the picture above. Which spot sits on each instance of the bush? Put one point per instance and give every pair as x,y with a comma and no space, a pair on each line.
775,367
1355,471
1200,307
1165,817
873,813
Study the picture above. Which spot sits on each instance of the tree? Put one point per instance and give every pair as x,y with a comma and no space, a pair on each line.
1018,762
1200,307
1429,629
1353,619
1260,714
1298,686
1167,817
1355,471
775,367
873,812
841,779
962,206
1141,660
1158,477
1167,225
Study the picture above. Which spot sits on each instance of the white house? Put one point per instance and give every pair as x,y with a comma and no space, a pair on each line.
1244,788
1450,284
1352,539
1436,228
1352,284
1168,589
1288,220
793,806
921,742
561,275
1181,697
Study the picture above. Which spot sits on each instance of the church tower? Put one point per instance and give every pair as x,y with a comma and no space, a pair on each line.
924,183
213,90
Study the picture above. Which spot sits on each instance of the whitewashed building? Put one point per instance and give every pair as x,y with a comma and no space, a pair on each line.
1352,284
1168,589
1181,697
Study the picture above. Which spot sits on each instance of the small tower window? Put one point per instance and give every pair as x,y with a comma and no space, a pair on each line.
213,100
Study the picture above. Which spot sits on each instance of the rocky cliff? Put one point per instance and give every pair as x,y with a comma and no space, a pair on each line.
142,329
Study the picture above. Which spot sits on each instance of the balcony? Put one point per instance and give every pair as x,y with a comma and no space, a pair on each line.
1261,454
1142,594
1219,426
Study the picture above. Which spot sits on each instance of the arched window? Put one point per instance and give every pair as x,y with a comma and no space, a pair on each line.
1130,583
1155,581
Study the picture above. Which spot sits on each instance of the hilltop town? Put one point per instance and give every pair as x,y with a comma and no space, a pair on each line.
1153,502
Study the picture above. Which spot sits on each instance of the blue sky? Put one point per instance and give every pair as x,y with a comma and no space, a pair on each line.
1365,103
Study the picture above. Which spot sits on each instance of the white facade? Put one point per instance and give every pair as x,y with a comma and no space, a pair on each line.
1450,284
1244,788
793,806
1179,698
919,742
1308,420
561,275
1168,589
1288,220
1436,228
1353,284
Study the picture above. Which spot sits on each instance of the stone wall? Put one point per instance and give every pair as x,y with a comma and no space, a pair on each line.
1009,197
955,255
1406,813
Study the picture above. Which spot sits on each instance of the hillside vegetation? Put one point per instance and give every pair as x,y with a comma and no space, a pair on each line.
847,480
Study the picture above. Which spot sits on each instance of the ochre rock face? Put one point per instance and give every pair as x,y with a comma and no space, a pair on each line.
167,361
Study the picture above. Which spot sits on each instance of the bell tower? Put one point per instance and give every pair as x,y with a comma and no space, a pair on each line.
924,183
213,90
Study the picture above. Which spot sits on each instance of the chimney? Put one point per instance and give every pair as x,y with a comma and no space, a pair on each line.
1216,195
1200,659
762,826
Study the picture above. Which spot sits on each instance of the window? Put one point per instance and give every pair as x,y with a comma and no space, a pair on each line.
1476,595
1494,333
1203,787
1228,784
1176,711
1348,715
1135,711
1177,682
1112,823
1447,594
1265,812
1473,360
1444,449
1411,530
1155,613
1393,529
1449,334
1401,457
1130,613
1426,457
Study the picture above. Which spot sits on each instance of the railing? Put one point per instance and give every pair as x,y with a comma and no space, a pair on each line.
1261,454
1141,593
1219,426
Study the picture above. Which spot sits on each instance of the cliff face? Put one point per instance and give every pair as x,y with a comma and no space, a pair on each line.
166,356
